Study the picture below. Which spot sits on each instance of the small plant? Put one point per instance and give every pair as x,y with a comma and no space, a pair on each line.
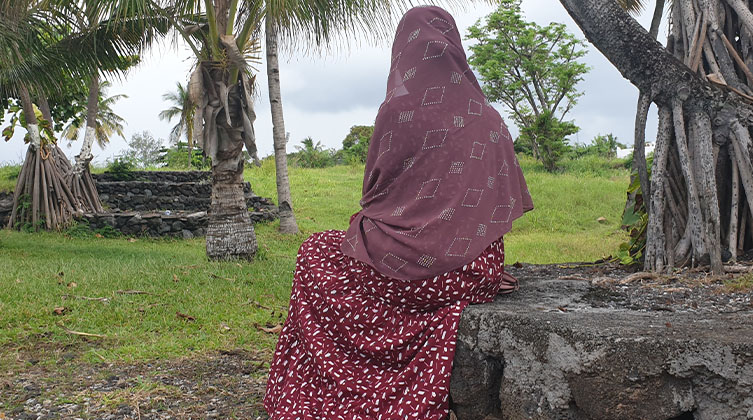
742,284
635,221
79,229
107,231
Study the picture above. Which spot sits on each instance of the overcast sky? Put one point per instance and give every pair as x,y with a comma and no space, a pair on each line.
325,94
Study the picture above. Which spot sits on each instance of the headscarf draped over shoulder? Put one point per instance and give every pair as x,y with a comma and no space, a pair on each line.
442,181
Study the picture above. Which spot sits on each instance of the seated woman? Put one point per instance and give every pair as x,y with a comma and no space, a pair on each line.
374,310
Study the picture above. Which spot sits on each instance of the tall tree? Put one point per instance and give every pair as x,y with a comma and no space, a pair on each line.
107,122
702,84
284,201
181,108
48,49
533,70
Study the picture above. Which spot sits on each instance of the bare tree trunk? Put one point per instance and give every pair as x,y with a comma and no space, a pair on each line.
32,124
81,178
85,156
287,217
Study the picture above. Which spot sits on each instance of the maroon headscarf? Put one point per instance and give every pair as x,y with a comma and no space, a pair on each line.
442,181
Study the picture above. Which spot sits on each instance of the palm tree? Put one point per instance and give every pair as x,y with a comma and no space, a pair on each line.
47,47
284,202
181,107
221,87
107,123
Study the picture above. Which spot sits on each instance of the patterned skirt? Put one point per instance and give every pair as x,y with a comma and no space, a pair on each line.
360,345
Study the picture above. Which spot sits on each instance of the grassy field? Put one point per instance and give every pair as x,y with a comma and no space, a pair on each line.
163,299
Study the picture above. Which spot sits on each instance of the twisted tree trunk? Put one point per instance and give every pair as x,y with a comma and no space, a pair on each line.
287,217
701,82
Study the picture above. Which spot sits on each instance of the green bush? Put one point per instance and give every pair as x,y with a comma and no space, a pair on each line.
313,155
356,144
121,167
590,166
176,157
547,136
602,145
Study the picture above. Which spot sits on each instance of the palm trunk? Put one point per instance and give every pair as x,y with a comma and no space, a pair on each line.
698,84
226,108
287,217
230,233
85,156
227,126
81,178
32,124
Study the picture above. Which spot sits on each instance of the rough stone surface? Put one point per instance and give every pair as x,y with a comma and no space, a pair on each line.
155,176
164,203
6,206
157,203
570,349
176,224
165,190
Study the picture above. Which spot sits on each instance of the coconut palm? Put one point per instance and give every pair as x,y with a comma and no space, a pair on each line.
221,87
180,107
108,123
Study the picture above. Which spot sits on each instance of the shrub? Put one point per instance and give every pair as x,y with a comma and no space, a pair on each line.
121,167
602,145
176,157
356,143
547,135
313,155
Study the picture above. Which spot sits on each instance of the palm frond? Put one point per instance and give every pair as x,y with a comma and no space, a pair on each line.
633,6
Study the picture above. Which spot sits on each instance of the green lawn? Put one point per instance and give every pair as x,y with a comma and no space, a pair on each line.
229,300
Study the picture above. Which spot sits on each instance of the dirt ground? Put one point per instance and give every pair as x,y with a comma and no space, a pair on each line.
231,384
221,385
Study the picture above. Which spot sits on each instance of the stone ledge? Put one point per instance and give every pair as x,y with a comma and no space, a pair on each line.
176,224
155,176
557,350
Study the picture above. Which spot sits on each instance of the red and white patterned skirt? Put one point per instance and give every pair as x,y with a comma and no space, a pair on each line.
361,345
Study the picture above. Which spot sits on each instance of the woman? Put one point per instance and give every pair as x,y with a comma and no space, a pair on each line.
374,310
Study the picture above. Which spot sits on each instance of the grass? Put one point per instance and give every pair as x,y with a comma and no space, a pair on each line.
8,176
741,284
228,300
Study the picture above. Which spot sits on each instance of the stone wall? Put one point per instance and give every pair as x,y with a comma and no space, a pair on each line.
174,224
6,206
167,190
565,349
155,176
157,203
164,203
